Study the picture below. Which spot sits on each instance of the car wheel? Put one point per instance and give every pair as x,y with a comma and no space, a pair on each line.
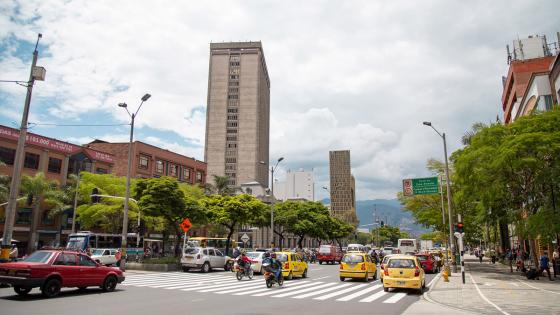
109,284
375,275
290,276
424,284
342,278
366,279
304,275
385,289
320,262
51,288
21,290
261,270
206,267
185,269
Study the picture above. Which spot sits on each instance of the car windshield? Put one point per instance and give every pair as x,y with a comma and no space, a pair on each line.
38,257
353,259
422,258
97,252
401,263
324,249
282,257
254,255
191,251
76,242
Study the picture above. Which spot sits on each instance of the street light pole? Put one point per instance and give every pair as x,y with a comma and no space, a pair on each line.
18,163
448,184
128,171
272,169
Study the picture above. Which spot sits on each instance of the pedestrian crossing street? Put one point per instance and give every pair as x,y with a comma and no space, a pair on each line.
226,283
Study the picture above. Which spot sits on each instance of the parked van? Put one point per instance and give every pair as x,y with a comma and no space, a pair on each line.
329,254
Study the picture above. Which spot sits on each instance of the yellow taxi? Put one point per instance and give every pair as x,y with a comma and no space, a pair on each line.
404,271
293,265
384,263
357,265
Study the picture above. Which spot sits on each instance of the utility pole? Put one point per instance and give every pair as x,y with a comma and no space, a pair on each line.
36,73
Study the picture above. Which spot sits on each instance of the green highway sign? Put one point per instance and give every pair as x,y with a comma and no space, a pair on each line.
420,186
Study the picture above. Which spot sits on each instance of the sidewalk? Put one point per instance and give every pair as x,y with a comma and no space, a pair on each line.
489,289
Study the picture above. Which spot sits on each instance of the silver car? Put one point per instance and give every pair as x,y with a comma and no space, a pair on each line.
205,259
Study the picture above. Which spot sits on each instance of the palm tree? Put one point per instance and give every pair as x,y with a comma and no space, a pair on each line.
221,186
476,127
39,189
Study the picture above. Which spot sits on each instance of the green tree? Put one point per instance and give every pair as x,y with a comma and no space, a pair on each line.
164,197
233,211
4,186
337,230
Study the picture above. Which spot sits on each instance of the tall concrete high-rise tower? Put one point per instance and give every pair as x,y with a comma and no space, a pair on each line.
238,113
343,187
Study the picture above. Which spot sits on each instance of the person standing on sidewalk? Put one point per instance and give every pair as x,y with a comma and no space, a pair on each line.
509,257
555,261
543,262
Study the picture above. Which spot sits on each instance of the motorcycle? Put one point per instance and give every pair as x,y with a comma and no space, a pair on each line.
269,276
241,272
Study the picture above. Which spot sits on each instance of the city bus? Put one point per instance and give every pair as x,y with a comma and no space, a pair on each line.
84,240
407,245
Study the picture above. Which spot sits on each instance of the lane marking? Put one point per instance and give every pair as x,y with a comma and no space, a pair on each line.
235,289
321,291
305,290
433,280
274,291
486,299
537,287
322,278
359,293
328,296
292,284
395,298
514,284
207,286
231,285
373,297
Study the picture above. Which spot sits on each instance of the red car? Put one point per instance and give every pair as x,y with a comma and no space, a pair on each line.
428,262
329,254
51,270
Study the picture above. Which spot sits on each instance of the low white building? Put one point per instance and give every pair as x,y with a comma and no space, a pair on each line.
299,185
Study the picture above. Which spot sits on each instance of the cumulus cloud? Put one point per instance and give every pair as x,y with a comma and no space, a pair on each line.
357,75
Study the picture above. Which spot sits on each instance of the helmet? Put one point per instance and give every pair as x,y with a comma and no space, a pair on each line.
273,255
267,254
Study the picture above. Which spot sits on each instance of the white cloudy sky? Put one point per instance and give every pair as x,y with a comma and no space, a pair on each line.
358,75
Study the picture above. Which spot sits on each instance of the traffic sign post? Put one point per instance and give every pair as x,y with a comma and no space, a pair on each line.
459,236
245,238
420,186
186,226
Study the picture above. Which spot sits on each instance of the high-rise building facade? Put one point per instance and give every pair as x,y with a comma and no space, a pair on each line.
238,113
298,185
342,187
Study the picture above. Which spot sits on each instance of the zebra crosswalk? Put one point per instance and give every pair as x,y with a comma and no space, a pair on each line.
226,283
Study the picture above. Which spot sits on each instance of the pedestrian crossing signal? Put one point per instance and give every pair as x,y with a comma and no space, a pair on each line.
458,227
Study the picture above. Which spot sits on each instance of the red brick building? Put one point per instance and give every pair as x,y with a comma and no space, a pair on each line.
56,159
150,161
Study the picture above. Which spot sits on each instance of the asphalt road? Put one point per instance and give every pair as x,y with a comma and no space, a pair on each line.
219,293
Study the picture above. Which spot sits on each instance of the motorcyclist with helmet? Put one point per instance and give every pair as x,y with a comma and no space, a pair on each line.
244,262
275,264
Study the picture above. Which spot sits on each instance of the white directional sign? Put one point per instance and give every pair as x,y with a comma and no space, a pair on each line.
245,238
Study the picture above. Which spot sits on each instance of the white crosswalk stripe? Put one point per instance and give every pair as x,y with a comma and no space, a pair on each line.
359,293
226,283
395,298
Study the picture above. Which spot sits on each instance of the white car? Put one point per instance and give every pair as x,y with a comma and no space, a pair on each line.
205,259
256,261
105,256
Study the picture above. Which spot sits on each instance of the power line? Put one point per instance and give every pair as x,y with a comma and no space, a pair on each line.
80,125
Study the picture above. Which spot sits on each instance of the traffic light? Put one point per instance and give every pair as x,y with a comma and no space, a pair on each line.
94,198
458,227
29,201
382,224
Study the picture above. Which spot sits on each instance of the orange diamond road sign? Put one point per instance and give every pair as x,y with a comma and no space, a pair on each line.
186,225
